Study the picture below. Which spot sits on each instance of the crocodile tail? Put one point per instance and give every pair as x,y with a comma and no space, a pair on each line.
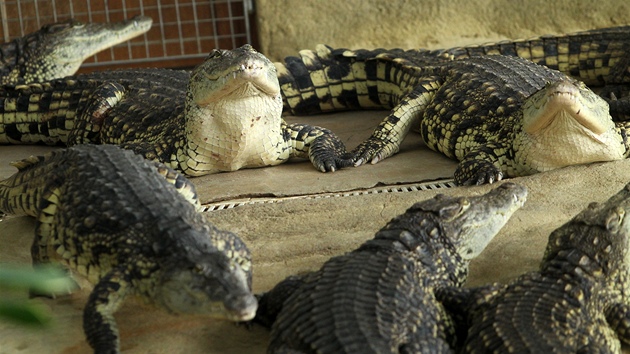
26,163
41,112
21,193
596,57
327,80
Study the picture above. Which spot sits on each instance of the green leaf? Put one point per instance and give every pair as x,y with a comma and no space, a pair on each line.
24,312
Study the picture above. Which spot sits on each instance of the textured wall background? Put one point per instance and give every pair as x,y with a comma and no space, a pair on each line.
287,26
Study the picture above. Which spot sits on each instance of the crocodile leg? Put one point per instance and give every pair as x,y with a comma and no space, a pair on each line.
270,303
88,126
457,303
619,107
44,233
480,165
98,317
386,139
325,150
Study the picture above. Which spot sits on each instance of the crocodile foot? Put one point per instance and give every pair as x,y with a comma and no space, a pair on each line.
477,172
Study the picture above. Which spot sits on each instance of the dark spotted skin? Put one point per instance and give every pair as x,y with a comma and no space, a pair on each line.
598,57
131,227
173,116
469,109
576,303
58,50
380,297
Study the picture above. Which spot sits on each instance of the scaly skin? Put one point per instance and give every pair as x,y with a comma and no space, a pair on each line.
119,220
600,58
379,298
58,50
224,116
597,57
577,303
471,110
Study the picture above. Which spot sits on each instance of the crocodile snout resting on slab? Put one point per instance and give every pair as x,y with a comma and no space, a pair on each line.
473,110
131,227
380,297
567,115
576,303
58,50
223,116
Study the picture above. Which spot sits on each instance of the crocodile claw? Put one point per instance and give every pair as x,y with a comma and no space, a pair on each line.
373,150
328,154
477,172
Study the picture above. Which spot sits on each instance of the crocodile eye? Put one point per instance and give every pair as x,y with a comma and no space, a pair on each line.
198,268
453,210
215,53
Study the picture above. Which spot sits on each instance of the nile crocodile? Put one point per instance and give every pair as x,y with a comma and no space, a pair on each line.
379,298
57,50
597,57
117,219
224,116
577,303
600,58
497,115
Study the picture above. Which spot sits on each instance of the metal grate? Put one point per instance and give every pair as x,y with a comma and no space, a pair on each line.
401,188
183,32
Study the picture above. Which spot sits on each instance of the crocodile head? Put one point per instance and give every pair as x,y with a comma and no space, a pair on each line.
565,123
596,240
59,49
233,104
233,74
466,224
214,281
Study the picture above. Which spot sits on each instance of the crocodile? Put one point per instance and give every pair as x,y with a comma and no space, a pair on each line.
58,50
119,220
223,116
576,303
497,115
599,57
380,298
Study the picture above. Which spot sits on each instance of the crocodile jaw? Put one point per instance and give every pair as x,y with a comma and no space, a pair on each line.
233,134
78,42
565,124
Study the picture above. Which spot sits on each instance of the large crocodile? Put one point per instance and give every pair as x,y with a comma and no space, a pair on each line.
117,219
576,303
224,116
596,57
379,298
599,57
498,115
58,50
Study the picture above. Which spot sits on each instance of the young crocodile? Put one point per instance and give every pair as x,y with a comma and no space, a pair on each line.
224,116
597,57
497,115
57,50
379,298
600,58
117,219
577,303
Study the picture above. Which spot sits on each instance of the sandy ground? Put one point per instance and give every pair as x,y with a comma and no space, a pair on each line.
304,228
